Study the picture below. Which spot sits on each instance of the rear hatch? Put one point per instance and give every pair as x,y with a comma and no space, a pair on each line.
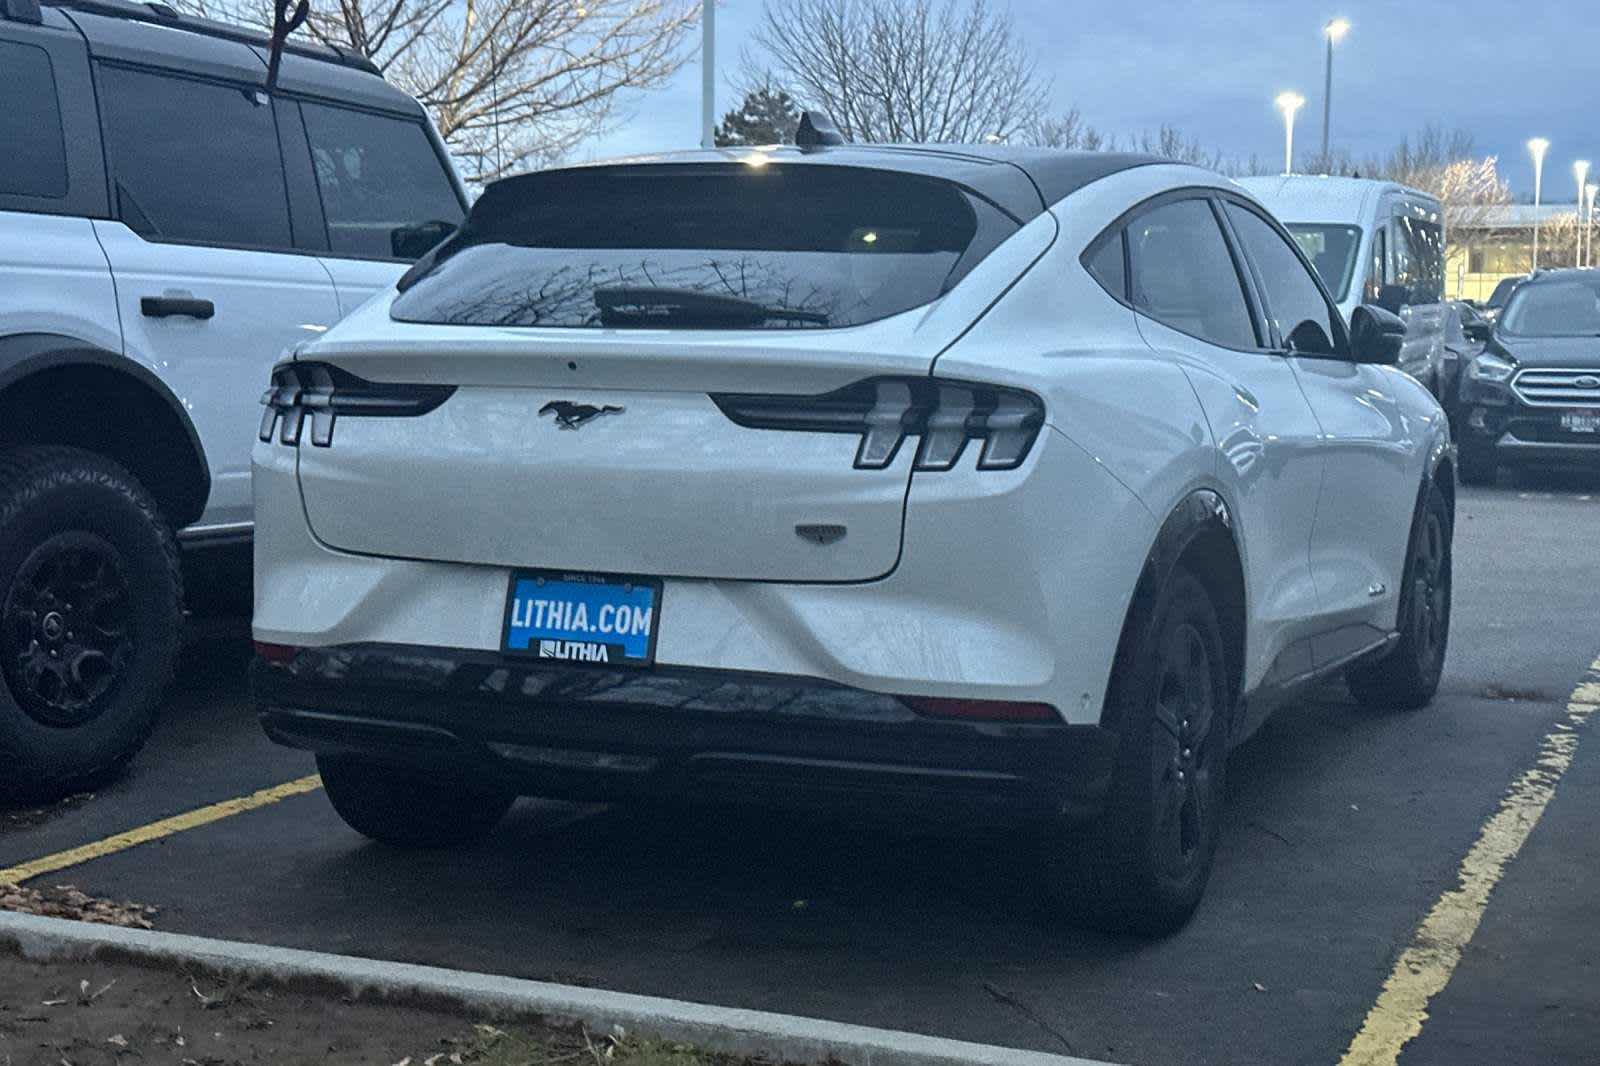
664,370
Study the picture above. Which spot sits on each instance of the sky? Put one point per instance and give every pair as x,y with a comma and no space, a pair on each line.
1504,71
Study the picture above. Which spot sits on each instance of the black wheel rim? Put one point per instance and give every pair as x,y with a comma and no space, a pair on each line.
1430,594
65,635
1184,751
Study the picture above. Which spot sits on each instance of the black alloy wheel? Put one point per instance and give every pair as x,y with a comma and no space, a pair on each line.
1407,677
65,641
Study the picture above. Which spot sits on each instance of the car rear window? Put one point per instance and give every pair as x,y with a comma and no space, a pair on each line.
703,246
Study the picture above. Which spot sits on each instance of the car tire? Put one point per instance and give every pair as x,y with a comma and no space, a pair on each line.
1142,867
1478,463
91,618
410,808
1407,677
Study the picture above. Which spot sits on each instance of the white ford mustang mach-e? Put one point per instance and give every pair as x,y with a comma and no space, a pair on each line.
989,480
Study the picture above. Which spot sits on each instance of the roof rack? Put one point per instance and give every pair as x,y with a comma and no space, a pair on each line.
162,14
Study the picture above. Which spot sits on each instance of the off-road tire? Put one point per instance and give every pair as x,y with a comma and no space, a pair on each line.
411,808
1407,677
60,502
1142,866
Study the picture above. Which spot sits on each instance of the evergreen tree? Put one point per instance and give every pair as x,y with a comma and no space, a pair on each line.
768,116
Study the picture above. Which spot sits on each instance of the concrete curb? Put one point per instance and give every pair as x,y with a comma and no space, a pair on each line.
781,1037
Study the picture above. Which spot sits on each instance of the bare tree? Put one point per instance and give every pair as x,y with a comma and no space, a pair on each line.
1067,131
903,70
509,83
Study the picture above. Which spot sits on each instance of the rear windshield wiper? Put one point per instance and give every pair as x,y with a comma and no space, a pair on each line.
633,305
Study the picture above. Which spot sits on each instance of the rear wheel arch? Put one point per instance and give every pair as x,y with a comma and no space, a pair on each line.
1200,535
59,390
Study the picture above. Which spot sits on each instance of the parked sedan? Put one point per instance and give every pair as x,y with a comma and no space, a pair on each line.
1533,395
991,481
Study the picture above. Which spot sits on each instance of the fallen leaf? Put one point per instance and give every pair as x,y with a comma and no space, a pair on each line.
117,1041
1258,986
433,1060
53,1003
404,1062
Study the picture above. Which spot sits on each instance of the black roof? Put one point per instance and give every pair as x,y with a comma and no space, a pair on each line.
141,33
1021,181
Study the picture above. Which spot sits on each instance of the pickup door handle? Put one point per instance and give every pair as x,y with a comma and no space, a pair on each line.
173,306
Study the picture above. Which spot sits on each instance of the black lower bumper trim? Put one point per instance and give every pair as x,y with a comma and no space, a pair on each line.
581,733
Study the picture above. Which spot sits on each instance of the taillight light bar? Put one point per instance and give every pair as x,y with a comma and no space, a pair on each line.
322,393
885,411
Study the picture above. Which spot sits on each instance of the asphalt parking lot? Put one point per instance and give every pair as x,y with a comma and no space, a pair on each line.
1344,831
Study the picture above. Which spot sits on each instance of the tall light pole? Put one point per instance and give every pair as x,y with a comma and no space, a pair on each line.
1289,103
1588,231
1334,31
708,73
1580,170
1537,148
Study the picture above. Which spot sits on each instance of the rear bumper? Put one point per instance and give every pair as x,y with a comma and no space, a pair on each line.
699,735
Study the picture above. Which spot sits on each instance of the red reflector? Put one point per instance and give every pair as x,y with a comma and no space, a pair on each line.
981,710
276,654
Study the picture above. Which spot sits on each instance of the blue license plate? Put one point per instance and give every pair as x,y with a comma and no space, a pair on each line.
582,618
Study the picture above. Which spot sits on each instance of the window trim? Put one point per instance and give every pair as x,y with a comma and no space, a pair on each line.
1208,194
115,214
1341,338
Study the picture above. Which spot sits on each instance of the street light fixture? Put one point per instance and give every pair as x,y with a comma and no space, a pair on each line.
1537,148
1580,170
1289,103
1334,31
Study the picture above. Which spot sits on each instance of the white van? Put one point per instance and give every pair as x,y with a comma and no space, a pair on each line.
1375,242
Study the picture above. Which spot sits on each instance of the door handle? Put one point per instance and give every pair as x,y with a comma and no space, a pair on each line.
176,306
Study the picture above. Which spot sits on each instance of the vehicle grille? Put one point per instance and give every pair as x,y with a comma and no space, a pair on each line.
1558,388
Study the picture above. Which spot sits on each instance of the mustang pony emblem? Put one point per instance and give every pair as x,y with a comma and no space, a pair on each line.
572,415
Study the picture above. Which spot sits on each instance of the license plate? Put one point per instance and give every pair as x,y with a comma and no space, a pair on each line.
582,618
1581,421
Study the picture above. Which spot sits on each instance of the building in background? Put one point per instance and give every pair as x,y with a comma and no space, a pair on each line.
1499,244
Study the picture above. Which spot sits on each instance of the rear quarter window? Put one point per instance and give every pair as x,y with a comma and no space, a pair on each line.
704,246
33,152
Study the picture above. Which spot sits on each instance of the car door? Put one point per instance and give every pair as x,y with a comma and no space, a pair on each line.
1194,303
209,287
1369,480
386,193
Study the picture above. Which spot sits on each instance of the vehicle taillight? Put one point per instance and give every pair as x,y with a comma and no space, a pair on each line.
322,393
885,411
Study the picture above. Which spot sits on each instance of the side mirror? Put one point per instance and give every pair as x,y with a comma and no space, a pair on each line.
415,241
1477,331
1376,335
1392,298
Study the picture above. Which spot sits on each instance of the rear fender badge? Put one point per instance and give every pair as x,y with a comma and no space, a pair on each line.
571,415
820,534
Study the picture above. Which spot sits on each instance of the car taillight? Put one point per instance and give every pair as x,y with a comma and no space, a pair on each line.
322,393
885,411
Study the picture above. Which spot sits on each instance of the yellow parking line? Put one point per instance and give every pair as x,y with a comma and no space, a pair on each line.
1425,967
166,827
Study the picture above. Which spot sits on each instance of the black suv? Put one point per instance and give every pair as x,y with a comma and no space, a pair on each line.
1533,395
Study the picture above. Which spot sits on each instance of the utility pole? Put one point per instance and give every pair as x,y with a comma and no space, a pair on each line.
708,73
1334,32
